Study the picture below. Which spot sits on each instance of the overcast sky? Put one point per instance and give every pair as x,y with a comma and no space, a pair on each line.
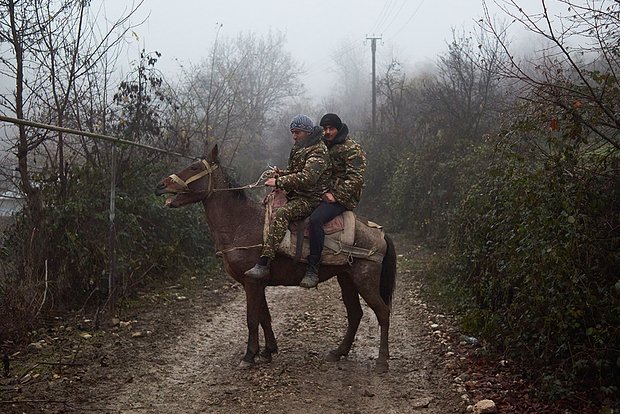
415,31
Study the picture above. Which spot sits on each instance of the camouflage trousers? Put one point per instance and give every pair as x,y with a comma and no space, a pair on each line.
295,209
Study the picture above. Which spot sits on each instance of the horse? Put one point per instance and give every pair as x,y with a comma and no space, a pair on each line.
236,223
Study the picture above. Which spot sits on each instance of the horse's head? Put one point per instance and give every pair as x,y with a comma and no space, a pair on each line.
192,184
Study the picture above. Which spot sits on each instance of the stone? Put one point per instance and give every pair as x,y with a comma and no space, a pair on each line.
485,407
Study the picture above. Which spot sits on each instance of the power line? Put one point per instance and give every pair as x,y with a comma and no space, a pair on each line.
387,27
380,18
415,12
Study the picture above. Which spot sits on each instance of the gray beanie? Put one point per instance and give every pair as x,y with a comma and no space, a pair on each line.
302,122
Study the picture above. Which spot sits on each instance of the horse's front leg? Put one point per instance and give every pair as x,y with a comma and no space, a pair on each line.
254,297
271,345
351,301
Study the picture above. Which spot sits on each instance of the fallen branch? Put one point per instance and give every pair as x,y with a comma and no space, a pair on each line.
34,401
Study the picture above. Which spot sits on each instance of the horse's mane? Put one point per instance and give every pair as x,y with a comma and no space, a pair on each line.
229,174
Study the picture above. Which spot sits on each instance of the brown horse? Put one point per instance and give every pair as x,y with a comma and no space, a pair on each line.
236,223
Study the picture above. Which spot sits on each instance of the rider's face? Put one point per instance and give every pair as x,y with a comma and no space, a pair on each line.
298,134
329,132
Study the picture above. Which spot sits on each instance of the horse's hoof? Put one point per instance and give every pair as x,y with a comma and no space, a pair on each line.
264,359
333,356
245,365
381,367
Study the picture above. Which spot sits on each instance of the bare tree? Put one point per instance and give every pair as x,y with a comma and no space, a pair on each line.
467,89
233,95
576,70
52,48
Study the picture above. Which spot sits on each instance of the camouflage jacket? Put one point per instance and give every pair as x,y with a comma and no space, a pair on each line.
348,166
309,168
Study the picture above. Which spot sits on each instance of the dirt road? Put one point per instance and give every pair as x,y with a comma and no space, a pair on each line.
182,357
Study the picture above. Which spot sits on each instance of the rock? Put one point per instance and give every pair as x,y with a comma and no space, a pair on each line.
368,393
421,402
485,407
464,377
85,335
469,340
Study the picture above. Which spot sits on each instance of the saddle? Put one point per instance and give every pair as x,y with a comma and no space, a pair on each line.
347,236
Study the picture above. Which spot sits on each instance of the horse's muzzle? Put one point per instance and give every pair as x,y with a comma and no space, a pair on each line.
161,189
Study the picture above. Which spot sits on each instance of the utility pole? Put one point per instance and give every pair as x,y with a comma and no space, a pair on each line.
373,48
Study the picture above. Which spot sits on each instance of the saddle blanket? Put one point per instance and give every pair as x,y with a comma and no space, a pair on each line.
346,236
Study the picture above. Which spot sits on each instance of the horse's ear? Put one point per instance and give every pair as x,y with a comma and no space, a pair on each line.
211,155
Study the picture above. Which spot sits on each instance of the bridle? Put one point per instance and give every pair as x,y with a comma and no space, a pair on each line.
209,168
185,183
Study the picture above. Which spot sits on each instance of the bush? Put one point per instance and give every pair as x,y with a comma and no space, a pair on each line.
538,248
153,244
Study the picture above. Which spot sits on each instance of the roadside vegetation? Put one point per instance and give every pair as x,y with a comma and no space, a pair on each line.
505,161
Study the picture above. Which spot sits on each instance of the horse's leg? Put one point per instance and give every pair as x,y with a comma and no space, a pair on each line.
367,283
354,316
254,296
271,345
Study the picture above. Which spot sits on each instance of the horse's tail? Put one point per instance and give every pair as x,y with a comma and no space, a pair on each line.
388,272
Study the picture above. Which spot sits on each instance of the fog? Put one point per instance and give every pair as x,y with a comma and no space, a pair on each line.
318,31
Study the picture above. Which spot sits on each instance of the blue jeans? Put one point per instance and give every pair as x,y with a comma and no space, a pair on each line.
321,215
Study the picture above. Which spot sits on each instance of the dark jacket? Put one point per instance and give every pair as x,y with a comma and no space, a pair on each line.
348,166
309,168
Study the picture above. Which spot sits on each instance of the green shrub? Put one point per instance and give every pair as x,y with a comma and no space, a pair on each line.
538,248
152,244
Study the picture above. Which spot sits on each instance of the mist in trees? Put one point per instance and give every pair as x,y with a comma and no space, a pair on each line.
505,160
235,96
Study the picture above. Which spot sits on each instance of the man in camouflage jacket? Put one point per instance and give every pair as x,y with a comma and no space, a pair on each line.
345,188
305,180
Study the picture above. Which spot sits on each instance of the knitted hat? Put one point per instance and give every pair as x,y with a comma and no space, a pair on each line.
302,122
331,120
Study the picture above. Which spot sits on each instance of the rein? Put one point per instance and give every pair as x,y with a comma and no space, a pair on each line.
262,177
209,168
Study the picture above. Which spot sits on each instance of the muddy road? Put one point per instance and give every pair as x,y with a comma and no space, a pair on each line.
181,355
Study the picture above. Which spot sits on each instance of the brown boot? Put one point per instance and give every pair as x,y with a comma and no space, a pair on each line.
311,278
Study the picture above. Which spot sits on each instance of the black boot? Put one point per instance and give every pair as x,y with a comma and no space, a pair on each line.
311,278
260,269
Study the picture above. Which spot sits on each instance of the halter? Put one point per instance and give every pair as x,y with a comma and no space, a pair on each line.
185,184
209,168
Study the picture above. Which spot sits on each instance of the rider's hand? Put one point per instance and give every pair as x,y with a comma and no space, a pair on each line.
271,182
329,197
275,171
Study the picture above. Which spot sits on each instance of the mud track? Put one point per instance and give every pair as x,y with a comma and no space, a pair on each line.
182,357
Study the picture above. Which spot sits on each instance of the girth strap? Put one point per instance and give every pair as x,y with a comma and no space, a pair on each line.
353,251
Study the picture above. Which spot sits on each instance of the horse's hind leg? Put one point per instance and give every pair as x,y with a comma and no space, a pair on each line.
368,287
354,316
271,345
